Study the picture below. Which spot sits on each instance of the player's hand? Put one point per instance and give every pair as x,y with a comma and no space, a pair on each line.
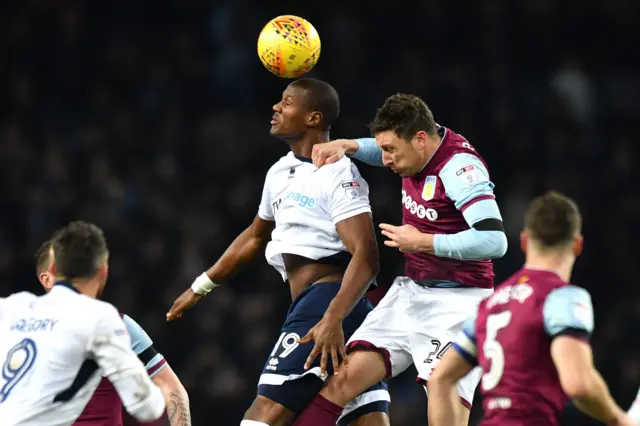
329,342
407,238
330,152
182,303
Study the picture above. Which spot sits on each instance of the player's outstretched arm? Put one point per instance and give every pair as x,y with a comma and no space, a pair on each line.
365,150
111,349
582,382
175,396
568,320
241,251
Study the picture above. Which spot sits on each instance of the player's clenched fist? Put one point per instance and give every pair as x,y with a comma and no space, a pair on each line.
182,303
330,152
329,339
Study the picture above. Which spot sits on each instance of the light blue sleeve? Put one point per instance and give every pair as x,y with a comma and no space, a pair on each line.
471,245
141,342
465,342
465,179
466,182
368,152
568,308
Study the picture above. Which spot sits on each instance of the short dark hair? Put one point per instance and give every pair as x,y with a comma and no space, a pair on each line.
79,249
405,115
553,220
42,257
321,97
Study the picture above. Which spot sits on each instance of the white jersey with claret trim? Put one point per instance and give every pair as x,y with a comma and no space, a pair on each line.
306,203
54,350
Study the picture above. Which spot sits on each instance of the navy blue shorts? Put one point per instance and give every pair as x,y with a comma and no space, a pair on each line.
284,379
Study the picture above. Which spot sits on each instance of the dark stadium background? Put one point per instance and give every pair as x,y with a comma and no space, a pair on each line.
151,119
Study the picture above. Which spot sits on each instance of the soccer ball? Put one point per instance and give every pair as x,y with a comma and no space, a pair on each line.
289,46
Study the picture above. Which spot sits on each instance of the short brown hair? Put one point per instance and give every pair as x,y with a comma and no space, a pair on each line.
42,257
405,115
79,249
553,219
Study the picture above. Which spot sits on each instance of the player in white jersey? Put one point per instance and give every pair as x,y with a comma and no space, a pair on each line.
324,245
55,348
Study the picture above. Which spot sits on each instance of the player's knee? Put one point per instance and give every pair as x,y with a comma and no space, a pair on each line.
340,390
263,410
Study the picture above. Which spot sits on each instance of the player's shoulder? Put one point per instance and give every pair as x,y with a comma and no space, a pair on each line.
567,293
100,310
20,297
344,166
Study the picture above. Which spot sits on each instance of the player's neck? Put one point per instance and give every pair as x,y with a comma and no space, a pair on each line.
558,263
86,287
304,146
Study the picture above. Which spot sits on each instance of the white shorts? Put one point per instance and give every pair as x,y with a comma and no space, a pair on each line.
415,324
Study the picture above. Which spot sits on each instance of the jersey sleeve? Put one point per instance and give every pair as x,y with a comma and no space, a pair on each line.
265,210
142,345
110,348
568,310
346,192
465,342
466,182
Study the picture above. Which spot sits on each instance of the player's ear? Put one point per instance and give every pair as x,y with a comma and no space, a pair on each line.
314,119
46,280
578,245
420,139
524,238
103,272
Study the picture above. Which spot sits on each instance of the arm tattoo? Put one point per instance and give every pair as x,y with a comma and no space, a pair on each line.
178,409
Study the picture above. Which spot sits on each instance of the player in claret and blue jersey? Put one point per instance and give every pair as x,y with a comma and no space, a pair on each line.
531,337
451,230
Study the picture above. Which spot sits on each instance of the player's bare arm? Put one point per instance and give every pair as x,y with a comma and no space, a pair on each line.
175,396
241,251
359,238
444,400
580,380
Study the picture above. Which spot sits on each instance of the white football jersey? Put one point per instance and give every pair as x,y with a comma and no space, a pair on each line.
55,348
306,203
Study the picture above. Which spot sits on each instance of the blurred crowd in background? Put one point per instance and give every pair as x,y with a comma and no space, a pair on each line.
151,119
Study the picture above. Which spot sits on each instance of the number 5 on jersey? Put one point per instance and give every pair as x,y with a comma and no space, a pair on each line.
19,361
493,350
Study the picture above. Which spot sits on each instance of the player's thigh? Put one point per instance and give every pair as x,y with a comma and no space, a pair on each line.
449,309
267,411
370,408
385,331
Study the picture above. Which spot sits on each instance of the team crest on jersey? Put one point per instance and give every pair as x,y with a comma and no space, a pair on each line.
468,175
351,189
429,188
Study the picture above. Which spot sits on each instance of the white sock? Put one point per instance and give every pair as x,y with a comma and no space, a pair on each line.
252,423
